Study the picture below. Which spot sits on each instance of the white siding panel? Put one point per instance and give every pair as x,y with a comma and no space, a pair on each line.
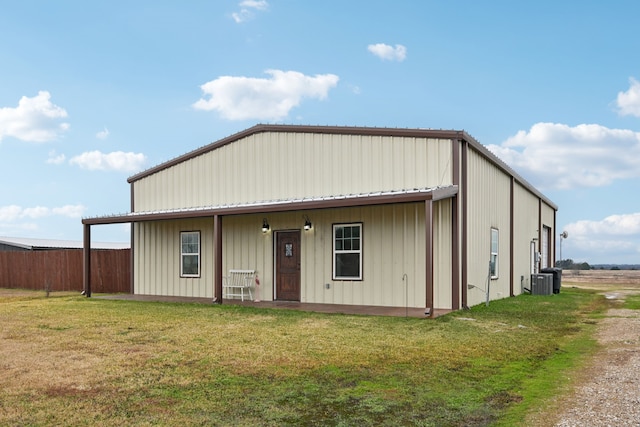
271,166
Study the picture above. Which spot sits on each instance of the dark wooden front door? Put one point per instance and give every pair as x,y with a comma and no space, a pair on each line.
288,265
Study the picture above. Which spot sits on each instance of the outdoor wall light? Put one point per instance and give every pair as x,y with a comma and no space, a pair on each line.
307,223
265,225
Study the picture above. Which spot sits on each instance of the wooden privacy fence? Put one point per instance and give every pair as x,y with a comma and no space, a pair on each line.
61,270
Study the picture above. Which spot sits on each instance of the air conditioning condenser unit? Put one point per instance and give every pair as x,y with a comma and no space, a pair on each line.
542,284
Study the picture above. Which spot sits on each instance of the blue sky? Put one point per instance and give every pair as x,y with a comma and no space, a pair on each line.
93,92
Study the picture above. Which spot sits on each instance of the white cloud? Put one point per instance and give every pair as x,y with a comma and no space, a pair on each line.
55,159
247,8
35,119
36,212
614,239
629,102
553,155
623,225
14,213
388,52
103,134
242,98
116,161
10,213
70,211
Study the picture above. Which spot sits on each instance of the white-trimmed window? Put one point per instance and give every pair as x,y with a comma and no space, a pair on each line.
347,251
190,254
494,253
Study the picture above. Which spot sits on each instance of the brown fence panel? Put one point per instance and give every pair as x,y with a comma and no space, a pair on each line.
111,271
61,270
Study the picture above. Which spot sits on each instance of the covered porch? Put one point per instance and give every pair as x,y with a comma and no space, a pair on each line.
425,196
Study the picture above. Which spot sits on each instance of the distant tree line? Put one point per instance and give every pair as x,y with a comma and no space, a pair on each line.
568,264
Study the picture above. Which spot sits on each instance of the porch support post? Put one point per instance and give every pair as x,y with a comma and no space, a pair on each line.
428,220
217,260
455,229
464,219
86,263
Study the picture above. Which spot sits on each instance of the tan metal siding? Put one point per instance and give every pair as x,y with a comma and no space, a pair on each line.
393,245
157,259
271,166
548,219
442,247
488,205
525,229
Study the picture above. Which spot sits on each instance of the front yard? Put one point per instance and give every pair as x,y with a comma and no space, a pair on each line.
69,360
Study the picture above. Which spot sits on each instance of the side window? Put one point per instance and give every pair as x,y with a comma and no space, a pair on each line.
347,251
494,253
190,254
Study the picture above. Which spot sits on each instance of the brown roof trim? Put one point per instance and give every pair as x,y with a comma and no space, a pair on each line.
267,207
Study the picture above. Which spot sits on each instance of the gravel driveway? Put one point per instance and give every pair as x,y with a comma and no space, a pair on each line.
609,392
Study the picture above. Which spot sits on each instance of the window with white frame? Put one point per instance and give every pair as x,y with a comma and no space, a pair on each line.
190,254
347,251
494,253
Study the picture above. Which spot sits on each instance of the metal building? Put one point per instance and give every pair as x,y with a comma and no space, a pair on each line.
338,215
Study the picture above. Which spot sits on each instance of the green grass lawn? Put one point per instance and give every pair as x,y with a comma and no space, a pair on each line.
69,360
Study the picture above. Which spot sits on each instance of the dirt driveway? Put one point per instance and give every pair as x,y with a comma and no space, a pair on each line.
608,391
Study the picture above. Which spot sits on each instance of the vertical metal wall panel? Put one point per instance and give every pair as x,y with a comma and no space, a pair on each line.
157,261
393,244
246,247
548,219
525,230
271,166
442,245
488,205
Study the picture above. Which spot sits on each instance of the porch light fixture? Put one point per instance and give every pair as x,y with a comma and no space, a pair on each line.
307,223
265,225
